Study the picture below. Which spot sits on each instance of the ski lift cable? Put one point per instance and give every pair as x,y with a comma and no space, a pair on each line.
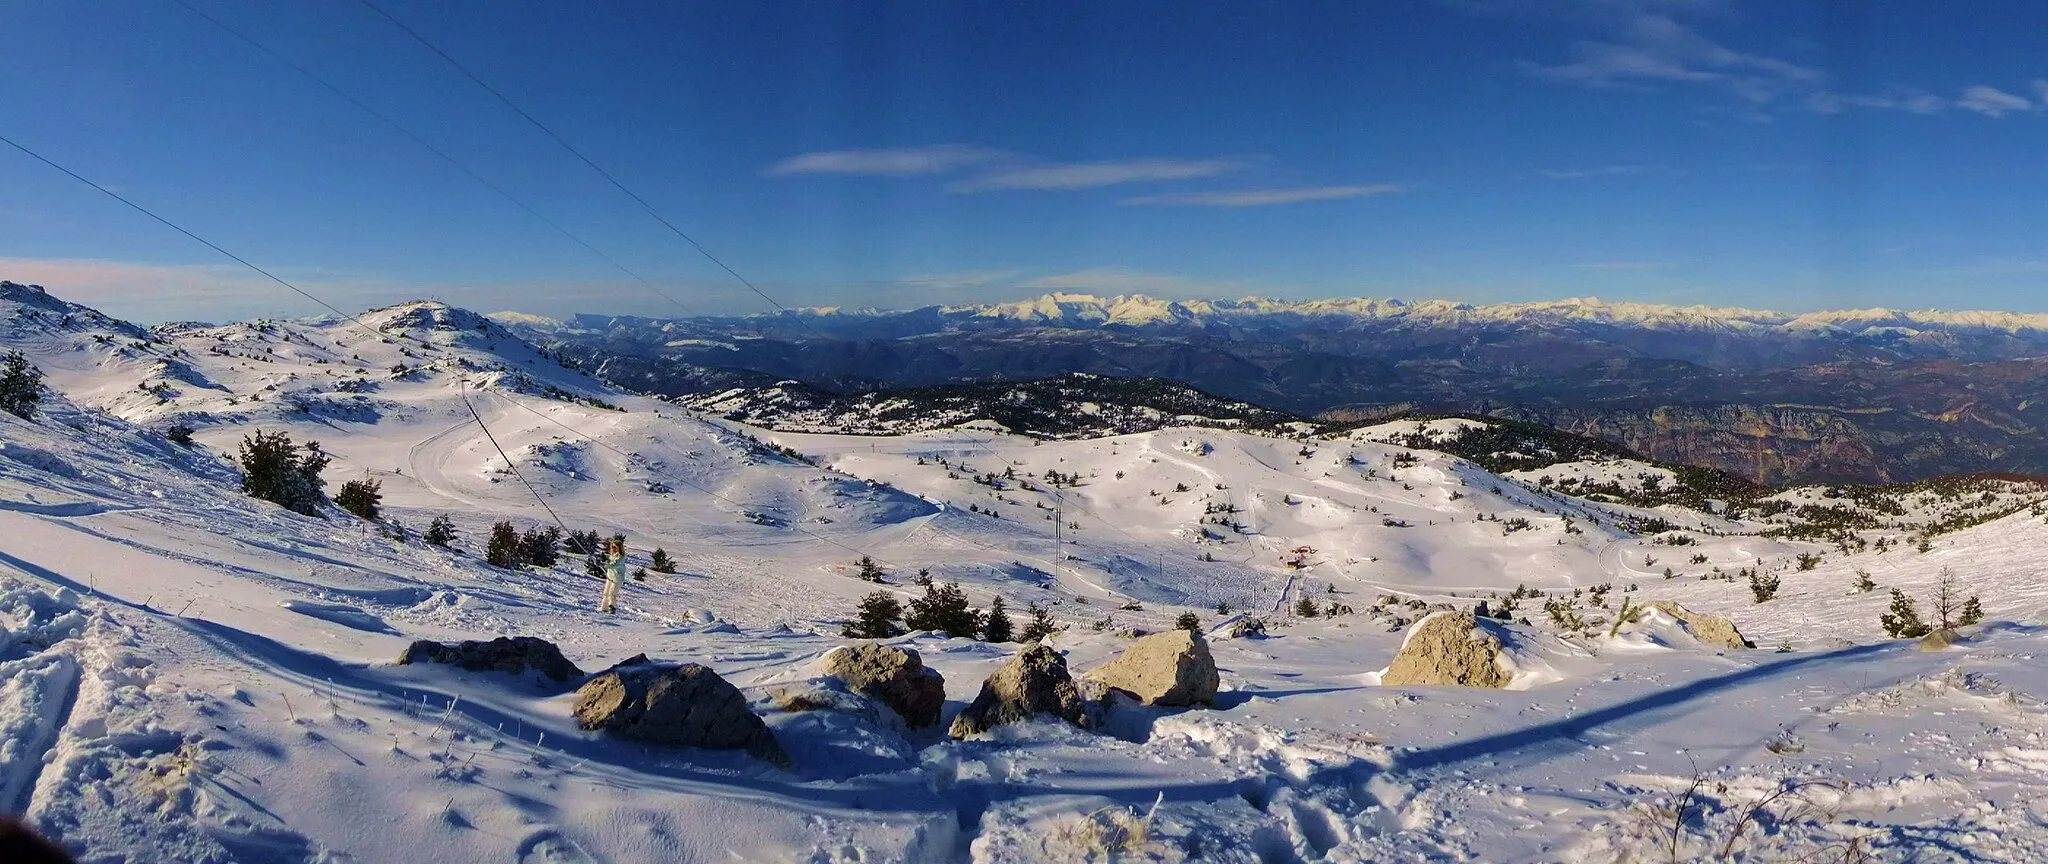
463,385
588,162
182,230
429,147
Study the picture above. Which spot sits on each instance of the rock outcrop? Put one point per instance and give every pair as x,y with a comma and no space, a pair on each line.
1173,669
514,654
1710,629
1940,640
895,676
683,704
1449,649
1034,682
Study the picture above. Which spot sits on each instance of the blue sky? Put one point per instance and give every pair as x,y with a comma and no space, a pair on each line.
1771,154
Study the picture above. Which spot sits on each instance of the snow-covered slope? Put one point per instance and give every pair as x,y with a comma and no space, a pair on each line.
190,674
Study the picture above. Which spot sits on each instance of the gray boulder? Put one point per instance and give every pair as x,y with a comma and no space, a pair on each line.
514,654
1940,640
896,676
1448,649
1710,629
685,705
1034,682
1173,669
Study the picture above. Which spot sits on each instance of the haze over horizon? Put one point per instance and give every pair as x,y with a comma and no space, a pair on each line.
1789,157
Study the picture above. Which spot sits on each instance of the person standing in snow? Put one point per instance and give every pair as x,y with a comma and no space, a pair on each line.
614,575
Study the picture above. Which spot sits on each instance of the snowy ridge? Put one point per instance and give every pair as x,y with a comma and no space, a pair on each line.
1076,309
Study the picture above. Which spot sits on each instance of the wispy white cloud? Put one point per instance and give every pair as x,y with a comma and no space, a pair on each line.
1992,102
889,162
1905,99
1091,175
1265,197
1114,280
967,279
1623,265
1585,173
1643,44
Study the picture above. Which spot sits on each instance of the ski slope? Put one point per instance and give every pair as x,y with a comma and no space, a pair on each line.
190,674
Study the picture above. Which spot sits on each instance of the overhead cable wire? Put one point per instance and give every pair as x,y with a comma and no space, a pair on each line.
429,147
587,161
181,229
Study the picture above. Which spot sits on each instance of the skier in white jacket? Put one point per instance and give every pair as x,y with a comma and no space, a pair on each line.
614,575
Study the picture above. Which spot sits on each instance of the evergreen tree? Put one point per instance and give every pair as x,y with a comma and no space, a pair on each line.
1973,612
180,435
593,564
273,470
943,609
1188,621
441,532
1903,621
639,574
1040,626
876,618
503,549
997,627
1306,608
870,571
662,563
1763,586
582,543
21,386
541,547
360,497
1222,608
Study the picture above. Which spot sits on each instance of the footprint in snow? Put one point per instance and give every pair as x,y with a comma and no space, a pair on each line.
548,847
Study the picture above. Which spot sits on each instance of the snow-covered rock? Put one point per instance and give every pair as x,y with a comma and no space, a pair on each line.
896,676
1033,683
683,704
1172,669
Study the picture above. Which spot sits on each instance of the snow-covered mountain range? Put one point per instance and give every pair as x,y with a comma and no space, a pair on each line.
1862,395
188,673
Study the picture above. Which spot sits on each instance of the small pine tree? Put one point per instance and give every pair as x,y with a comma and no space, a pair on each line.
1763,586
662,563
639,574
582,542
1948,601
541,547
273,470
360,497
504,547
1973,612
441,531
21,386
593,564
180,435
1188,621
870,571
924,577
1903,621
876,618
996,626
1040,626
1864,584
1222,608
943,609
1306,608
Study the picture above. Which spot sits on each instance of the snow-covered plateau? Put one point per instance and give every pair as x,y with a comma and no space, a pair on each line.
188,673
